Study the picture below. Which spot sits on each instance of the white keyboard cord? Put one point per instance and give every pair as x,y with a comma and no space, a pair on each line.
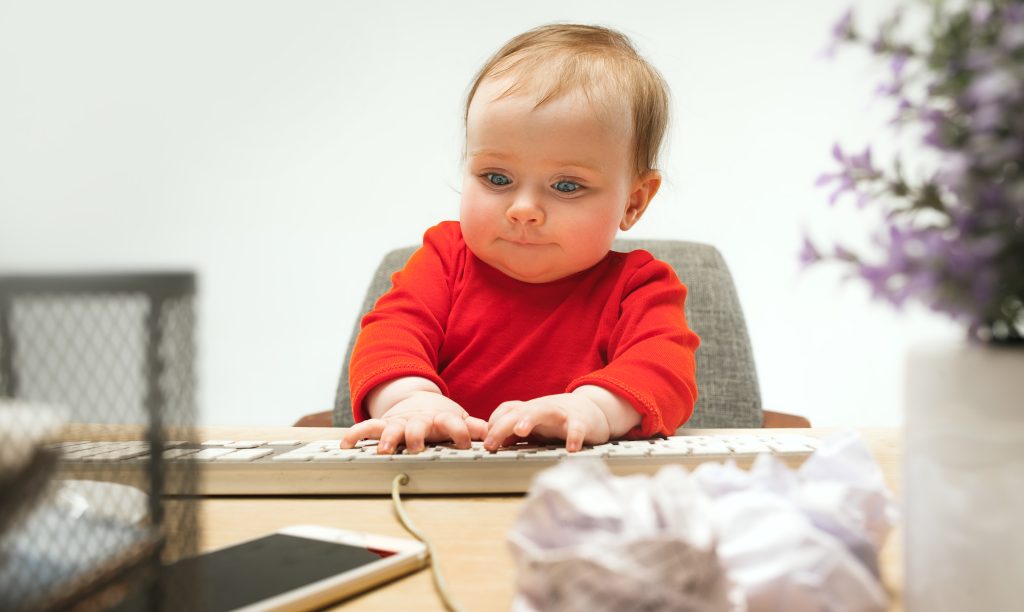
439,583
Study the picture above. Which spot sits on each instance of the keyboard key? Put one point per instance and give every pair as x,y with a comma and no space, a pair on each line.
670,451
67,445
633,444
217,442
178,453
707,447
418,457
247,454
284,443
452,454
245,444
118,454
374,457
322,445
626,451
93,448
325,458
293,457
542,456
337,454
590,452
501,454
209,454
741,446
786,444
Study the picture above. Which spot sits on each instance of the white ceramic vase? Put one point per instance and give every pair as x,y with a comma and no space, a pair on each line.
963,478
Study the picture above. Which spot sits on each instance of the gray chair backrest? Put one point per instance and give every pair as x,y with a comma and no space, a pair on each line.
729,395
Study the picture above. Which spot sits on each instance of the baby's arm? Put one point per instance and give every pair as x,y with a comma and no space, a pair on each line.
588,415
414,411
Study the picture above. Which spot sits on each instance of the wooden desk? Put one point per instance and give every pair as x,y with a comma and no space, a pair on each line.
469,532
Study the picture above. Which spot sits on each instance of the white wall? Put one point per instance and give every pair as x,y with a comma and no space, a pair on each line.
279,148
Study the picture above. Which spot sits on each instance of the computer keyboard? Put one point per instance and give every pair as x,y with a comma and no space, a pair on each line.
291,467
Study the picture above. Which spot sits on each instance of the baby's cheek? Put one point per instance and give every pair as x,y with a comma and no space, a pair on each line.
478,225
593,237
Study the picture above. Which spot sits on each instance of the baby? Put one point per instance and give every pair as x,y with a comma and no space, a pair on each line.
518,320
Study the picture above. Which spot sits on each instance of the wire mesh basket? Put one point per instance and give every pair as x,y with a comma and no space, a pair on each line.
97,382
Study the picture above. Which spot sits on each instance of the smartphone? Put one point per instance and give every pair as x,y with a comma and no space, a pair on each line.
297,568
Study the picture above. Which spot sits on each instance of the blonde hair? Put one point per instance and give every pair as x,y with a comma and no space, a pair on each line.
561,58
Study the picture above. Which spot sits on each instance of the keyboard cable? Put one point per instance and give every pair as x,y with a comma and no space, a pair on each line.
439,583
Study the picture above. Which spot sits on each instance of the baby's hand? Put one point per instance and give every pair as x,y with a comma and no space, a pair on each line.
422,417
568,416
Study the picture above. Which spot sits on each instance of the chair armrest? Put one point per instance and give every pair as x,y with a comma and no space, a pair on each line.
781,419
317,419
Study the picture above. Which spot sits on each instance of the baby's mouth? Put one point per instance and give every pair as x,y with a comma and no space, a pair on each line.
523,241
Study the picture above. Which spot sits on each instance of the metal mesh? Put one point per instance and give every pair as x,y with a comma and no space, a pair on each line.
85,360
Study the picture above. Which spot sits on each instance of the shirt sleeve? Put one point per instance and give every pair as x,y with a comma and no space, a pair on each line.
403,333
651,352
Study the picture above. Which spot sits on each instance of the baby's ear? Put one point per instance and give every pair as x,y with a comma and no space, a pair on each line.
641,193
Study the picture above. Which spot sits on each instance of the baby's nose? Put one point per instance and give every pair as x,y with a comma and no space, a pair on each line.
526,211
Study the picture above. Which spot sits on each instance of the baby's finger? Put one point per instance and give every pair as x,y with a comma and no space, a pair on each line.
415,433
500,430
503,409
550,419
575,432
360,431
477,428
451,426
391,437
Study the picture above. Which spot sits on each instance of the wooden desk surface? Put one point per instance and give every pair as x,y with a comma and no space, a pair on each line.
468,532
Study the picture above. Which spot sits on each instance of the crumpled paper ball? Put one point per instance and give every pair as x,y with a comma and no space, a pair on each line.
719,538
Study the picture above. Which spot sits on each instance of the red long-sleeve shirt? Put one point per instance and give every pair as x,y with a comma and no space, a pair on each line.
485,338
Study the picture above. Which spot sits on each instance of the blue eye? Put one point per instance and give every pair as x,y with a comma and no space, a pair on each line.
499,180
566,186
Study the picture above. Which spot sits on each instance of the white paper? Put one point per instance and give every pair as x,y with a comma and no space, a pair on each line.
23,429
720,538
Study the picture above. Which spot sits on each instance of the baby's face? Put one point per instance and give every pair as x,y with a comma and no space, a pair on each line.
545,189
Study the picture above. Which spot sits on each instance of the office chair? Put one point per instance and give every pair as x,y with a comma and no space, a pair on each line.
728,393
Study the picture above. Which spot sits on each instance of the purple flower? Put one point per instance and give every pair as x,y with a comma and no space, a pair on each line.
937,123
983,286
897,64
991,152
809,254
993,86
843,254
854,169
981,60
862,163
981,13
1012,37
953,172
987,118
845,185
842,31
953,236
881,280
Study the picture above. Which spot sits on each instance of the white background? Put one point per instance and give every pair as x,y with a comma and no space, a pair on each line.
280,148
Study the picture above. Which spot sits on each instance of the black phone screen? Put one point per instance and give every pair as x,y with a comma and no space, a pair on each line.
258,569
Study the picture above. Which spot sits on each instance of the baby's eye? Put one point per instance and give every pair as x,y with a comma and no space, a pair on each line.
499,180
566,186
